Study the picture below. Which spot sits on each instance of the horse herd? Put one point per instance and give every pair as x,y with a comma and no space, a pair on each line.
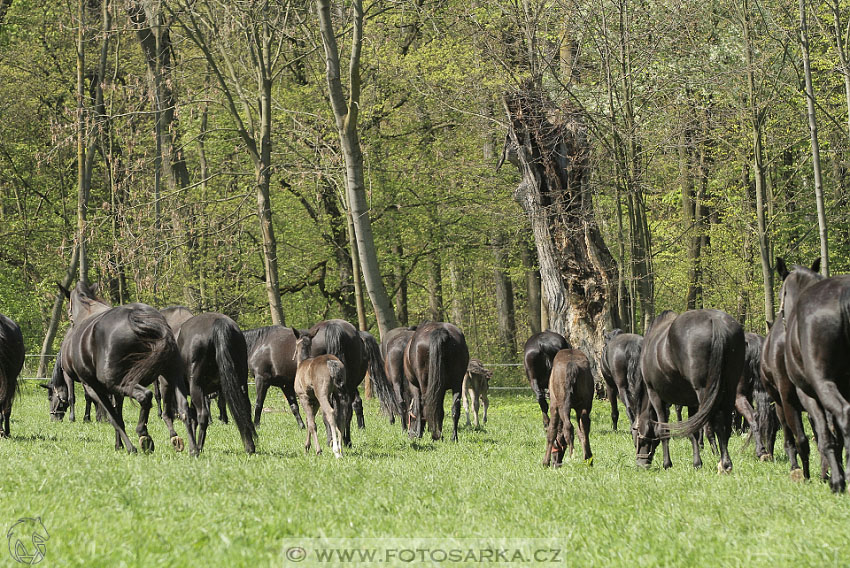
702,359
118,352
699,359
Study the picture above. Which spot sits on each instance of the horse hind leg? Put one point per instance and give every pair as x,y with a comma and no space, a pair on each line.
834,403
456,413
145,400
357,406
552,447
113,414
330,420
584,436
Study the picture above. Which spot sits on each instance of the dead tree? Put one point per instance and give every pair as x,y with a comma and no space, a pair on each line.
549,146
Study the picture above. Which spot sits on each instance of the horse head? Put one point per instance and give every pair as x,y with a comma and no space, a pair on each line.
303,345
84,303
57,400
794,281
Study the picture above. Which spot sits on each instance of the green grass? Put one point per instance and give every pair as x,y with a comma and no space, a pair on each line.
107,508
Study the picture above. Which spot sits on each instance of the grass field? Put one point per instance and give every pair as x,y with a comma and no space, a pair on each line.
105,508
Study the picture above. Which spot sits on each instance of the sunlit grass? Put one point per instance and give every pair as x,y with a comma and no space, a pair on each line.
107,508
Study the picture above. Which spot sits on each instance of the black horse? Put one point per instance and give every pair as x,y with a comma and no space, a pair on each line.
119,351
774,375
620,367
393,345
694,359
270,359
749,391
538,353
216,359
435,360
341,339
11,363
817,357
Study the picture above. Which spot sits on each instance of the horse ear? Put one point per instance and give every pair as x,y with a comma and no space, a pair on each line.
44,386
64,290
781,268
296,333
816,265
95,288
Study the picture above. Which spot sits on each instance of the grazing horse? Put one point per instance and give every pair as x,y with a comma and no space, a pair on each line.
570,387
537,357
694,359
817,356
216,360
748,390
341,339
775,378
316,381
11,363
435,360
620,367
476,383
58,407
119,351
270,359
393,345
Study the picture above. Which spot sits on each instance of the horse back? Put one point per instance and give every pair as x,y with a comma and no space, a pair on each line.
571,379
539,351
271,355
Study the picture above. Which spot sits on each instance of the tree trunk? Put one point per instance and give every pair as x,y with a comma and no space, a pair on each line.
82,174
401,284
504,293
756,120
532,287
435,290
458,316
813,131
345,113
56,314
549,146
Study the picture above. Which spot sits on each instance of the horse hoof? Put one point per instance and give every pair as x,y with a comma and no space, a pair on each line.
766,457
177,442
146,443
722,470
589,461
797,475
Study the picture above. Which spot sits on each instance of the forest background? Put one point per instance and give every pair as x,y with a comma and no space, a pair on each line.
205,153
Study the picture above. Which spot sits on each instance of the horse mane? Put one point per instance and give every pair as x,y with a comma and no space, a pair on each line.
256,335
658,319
612,334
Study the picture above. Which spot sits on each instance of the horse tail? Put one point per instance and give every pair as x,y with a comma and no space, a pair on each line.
844,308
572,373
707,406
634,377
378,376
437,378
768,423
11,361
156,345
336,371
231,358
333,341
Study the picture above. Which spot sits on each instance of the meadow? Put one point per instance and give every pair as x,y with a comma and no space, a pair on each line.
107,508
